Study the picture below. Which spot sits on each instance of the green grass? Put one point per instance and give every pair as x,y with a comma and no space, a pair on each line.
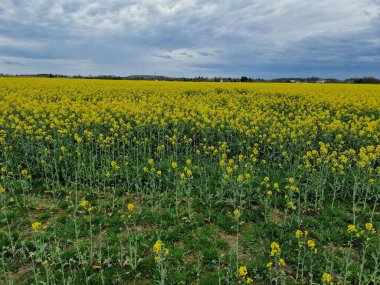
111,245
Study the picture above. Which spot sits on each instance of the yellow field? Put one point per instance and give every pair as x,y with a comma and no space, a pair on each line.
277,182
341,119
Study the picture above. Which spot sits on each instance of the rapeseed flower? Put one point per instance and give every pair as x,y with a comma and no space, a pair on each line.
157,247
86,205
243,271
275,249
130,207
327,279
351,228
36,226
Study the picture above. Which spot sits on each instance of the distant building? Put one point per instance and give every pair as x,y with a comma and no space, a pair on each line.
320,81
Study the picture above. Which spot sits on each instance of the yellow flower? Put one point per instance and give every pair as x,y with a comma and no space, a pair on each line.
351,229
269,265
269,193
77,138
174,165
158,172
2,190
368,226
158,246
86,205
243,271
294,188
151,161
236,213
326,277
24,172
311,244
249,280
45,262
115,165
36,226
299,233
188,161
291,180
275,249
130,207
281,262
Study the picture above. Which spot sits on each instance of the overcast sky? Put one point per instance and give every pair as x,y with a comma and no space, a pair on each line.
261,38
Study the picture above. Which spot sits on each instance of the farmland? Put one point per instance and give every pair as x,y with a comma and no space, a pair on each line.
125,182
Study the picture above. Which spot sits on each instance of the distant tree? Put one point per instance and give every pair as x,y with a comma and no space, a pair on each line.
244,79
368,80
332,80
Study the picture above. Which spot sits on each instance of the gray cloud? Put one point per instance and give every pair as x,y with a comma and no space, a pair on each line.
204,53
178,37
10,62
165,56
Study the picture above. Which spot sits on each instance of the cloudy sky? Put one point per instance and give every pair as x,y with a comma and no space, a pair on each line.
258,38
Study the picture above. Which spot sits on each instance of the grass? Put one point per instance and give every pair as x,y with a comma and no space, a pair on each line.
111,245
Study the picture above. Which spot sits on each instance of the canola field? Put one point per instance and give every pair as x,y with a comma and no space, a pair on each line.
137,182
